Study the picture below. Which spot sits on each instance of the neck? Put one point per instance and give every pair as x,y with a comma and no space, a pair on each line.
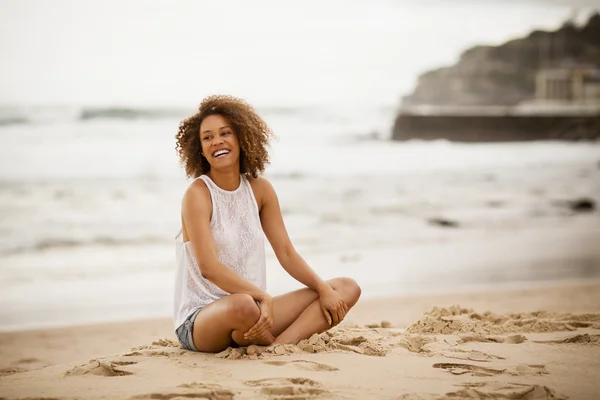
226,180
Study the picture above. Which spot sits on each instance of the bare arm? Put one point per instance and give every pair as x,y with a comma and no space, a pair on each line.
196,210
274,228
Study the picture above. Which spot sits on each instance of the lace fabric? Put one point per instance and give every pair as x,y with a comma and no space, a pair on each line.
239,240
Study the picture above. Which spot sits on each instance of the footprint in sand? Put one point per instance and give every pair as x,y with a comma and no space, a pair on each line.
497,390
415,344
524,369
11,371
156,353
101,368
216,394
22,365
197,385
289,388
476,370
491,390
471,355
579,339
304,364
121,363
159,348
512,339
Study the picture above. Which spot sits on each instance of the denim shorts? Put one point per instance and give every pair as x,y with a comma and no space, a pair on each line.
185,332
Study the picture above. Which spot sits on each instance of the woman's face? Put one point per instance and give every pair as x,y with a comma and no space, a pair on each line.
219,142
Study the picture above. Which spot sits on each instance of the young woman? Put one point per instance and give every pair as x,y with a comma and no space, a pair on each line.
220,296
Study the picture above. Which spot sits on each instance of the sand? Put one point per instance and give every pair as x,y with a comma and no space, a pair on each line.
541,342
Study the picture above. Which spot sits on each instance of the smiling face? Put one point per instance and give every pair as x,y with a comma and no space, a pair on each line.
219,142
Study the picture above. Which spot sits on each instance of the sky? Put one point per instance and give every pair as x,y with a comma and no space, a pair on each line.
314,52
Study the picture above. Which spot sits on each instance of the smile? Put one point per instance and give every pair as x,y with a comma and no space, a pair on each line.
220,153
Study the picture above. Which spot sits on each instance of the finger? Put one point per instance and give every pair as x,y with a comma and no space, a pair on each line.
340,314
260,328
259,333
262,332
326,315
341,311
252,331
344,309
336,317
249,333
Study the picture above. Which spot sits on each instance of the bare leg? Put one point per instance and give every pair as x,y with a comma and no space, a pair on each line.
298,314
225,321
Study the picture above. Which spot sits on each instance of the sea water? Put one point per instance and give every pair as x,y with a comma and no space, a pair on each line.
89,208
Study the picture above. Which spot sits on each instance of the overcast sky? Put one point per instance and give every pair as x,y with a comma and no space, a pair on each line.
269,51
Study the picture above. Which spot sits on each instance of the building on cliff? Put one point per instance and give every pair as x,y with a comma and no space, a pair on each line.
566,107
511,93
577,84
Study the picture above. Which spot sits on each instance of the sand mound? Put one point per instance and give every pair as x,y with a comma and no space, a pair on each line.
158,344
355,340
463,320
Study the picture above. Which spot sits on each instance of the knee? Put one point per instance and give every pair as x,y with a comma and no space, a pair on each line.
349,289
242,307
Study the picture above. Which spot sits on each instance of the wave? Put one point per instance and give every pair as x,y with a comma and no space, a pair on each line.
13,120
23,115
131,113
58,243
18,115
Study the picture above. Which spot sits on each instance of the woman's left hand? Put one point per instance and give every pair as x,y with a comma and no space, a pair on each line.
333,307
265,321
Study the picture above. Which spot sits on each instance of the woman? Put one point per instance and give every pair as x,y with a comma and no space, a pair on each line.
220,297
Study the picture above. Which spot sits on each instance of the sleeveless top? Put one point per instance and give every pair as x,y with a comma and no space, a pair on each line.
239,239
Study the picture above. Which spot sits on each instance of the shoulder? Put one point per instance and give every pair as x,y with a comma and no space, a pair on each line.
197,194
262,188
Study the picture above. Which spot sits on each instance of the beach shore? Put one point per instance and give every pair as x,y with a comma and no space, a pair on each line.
537,342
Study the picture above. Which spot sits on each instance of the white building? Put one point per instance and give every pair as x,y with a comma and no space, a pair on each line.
579,84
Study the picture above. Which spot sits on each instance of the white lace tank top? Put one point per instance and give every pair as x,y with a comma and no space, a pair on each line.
239,239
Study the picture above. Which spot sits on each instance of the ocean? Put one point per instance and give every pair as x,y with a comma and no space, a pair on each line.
90,205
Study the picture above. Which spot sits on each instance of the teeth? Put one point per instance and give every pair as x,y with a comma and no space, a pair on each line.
220,152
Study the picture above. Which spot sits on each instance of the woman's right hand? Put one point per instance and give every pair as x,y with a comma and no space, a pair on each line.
264,323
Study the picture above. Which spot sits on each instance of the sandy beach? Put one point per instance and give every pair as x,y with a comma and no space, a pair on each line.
540,342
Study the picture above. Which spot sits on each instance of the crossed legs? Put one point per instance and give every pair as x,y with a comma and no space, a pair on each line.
297,316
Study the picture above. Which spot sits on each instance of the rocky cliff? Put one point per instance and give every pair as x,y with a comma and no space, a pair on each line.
505,74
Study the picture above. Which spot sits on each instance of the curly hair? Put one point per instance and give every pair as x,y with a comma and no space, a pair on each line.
252,132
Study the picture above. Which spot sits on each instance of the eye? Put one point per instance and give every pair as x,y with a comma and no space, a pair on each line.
206,138
225,133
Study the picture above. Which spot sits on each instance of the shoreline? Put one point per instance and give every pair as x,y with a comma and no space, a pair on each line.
400,310
369,301
460,261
